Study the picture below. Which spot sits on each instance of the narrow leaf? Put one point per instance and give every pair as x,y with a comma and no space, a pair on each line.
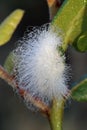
9,25
71,19
79,91
9,63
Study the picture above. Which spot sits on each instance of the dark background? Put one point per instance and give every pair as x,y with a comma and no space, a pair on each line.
13,113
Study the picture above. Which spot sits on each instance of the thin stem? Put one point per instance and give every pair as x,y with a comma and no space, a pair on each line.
23,93
8,78
53,5
56,115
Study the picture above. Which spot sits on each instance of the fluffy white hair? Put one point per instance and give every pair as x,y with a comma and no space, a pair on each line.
40,67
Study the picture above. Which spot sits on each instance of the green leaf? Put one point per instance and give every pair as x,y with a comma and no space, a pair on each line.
81,44
9,63
9,25
79,91
71,20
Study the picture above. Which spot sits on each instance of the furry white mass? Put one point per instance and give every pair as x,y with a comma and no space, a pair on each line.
40,66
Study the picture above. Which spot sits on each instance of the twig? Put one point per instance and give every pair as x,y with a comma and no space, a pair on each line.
53,5
8,78
23,93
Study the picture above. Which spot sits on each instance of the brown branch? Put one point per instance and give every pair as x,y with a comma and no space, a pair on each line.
5,76
23,93
53,5
50,2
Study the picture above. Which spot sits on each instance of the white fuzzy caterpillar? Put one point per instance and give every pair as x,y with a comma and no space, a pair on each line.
41,69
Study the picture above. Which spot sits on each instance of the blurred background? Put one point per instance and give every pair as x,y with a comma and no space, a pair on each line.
14,115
